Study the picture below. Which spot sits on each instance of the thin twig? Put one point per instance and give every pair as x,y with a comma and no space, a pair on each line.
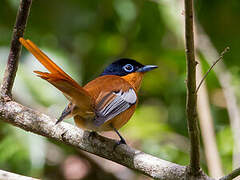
220,57
193,129
12,64
232,175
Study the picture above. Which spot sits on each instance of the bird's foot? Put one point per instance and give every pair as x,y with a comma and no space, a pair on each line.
122,141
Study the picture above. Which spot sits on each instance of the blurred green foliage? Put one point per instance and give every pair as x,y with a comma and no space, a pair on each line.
84,36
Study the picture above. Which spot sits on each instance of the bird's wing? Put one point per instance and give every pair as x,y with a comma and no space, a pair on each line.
113,95
113,104
58,78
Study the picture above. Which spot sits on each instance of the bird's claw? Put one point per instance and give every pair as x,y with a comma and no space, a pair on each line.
122,141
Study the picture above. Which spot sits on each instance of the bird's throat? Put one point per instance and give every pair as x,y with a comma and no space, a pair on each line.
134,79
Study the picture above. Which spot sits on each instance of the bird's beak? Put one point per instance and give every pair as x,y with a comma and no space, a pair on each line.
147,68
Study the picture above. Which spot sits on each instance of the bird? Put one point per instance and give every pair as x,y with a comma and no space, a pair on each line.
104,104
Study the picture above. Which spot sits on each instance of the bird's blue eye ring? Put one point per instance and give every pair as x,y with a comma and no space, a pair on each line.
128,68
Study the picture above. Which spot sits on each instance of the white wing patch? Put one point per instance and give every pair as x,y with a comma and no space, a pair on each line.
128,96
113,104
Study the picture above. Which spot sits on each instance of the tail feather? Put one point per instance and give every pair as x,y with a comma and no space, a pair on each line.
61,80
43,75
46,61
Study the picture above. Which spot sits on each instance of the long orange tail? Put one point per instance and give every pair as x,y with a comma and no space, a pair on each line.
61,80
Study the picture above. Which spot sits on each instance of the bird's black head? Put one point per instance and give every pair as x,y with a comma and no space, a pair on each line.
124,66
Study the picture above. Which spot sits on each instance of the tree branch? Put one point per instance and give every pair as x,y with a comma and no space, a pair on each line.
41,124
220,57
232,175
15,49
5,175
193,129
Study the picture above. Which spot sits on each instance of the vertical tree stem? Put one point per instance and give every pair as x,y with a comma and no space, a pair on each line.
193,129
15,49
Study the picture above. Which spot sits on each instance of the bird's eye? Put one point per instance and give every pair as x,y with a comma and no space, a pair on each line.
128,68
